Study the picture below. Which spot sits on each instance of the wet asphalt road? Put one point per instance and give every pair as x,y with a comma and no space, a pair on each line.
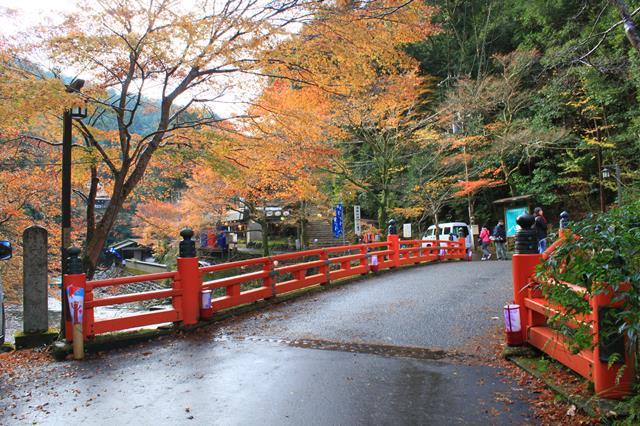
409,347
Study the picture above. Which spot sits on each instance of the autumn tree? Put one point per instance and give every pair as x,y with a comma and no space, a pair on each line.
354,56
28,162
186,56
265,163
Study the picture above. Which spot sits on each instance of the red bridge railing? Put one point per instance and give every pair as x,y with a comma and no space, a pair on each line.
613,381
248,280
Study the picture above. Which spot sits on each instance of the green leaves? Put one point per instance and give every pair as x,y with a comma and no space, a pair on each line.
601,253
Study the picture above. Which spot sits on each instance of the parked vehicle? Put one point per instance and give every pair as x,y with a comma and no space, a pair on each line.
445,231
5,254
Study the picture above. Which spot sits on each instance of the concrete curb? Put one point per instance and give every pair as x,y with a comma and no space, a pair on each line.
32,340
528,359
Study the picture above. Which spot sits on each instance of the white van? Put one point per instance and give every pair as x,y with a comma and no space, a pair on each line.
447,229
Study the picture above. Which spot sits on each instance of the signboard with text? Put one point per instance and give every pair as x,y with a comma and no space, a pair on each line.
511,216
356,220
337,221
406,230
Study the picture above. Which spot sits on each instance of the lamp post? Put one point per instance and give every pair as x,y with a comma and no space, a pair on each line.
606,174
68,116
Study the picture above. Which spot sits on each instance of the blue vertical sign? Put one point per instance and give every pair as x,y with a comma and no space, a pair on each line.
337,221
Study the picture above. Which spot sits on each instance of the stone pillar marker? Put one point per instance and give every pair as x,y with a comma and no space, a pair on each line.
34,279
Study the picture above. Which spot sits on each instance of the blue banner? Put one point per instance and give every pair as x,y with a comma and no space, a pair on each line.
337,221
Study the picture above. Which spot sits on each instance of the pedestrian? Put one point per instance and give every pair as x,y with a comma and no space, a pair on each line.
485,239
500,239
221,241
540,226
463,232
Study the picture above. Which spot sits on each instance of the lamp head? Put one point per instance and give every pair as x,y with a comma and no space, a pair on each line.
75,86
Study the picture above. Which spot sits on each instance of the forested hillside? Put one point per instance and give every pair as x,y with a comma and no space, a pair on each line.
545,94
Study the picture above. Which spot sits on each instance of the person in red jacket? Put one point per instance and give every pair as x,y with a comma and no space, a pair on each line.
485,239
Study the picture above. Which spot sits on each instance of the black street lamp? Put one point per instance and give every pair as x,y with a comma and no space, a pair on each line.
77,113
606,174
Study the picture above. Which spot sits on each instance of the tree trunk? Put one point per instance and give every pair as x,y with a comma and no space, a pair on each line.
91,203
97,241
629,26
265,237
302,235
382,210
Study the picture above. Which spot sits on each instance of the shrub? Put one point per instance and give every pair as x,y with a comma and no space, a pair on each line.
605,254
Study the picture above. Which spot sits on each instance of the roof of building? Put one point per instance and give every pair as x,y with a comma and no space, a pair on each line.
129,242
513,199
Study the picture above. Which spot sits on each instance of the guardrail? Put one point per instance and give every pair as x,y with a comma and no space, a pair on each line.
610,381
247,281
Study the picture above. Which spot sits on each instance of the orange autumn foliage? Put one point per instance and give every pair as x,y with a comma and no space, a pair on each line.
473,186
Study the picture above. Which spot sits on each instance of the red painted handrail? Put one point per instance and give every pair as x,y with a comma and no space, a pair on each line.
267,276
610,381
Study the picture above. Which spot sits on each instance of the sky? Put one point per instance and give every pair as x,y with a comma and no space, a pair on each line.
31,12
26,14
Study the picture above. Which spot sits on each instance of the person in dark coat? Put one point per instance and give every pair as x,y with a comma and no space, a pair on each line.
500,239
540,226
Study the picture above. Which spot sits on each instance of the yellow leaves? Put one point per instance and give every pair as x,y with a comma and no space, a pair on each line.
408,212
427,136
602,143
345,51
29,103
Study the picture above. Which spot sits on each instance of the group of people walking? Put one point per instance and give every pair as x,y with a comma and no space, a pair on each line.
499,236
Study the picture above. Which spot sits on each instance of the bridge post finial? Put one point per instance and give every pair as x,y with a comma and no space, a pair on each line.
564,220
526,241
74,263
187,247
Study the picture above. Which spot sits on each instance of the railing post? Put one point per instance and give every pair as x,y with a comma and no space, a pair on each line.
606,382
324,268
364,262
524,262
269,280
190,278
462,241
394,245
75,277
